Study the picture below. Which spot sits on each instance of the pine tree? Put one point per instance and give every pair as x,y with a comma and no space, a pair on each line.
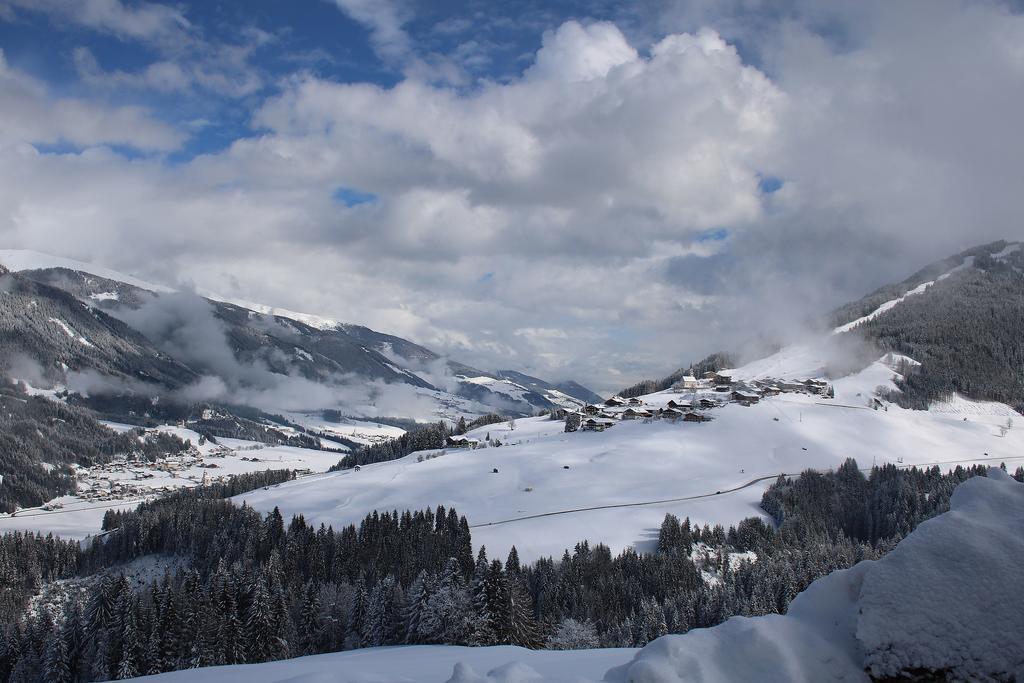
446,619
522,627
57,662
416,605
481,631
259,623
128,666
312,625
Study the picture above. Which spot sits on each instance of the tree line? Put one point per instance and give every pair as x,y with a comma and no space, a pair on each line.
427,437
251,588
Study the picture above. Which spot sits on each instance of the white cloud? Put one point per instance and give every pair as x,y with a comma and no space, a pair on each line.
384,19
29,113
141,20
569,201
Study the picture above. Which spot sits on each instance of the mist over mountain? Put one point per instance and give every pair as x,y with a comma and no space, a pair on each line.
219,351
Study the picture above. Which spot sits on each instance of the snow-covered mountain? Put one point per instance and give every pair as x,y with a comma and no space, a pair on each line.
553,488
246,347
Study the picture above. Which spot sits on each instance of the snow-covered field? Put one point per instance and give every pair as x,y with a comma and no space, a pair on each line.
360,431
79,516
553,489
887,617
420,664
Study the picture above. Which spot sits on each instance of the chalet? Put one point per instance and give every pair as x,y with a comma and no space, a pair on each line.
687,383
680,404
592,425
461,442
709,375
615,401
634,402
745,396
707,403
790,385
695,417
635,413
723,378
591,410
671,414
816,386
723,388
770,390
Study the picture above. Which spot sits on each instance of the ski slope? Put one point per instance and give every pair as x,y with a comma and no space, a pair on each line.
553,489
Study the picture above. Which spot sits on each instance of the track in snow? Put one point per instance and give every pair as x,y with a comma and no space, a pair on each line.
705,495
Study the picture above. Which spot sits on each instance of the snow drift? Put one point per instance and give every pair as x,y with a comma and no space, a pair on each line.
947,600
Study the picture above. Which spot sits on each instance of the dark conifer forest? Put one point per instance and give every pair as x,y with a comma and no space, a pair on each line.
240,587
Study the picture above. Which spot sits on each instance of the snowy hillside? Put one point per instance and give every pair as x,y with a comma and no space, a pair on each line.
886,617
552,489
890,617
299,361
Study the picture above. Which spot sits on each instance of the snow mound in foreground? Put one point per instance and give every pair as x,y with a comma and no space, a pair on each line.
513,672
948,599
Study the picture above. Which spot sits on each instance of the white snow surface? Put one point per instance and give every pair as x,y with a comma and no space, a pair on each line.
418,664
947,599
970,557
620,483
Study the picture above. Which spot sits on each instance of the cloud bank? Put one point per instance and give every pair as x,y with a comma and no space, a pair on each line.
619,207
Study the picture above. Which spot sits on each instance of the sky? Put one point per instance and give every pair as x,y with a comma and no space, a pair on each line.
590,190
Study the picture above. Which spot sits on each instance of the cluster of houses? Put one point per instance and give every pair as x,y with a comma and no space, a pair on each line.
697,395
123,479
598,417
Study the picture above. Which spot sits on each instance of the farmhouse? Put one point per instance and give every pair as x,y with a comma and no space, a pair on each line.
680,404
596,425
615,401
745,396
687,383
591,410
461,442
635,414
695,417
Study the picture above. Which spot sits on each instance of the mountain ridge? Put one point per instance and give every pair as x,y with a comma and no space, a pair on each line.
284,342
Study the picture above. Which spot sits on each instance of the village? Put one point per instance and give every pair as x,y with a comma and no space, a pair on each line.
132,478
689,400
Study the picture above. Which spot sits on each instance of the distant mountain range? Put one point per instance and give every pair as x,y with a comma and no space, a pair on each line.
74,324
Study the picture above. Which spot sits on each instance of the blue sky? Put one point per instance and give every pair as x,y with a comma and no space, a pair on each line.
484,40
601,191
